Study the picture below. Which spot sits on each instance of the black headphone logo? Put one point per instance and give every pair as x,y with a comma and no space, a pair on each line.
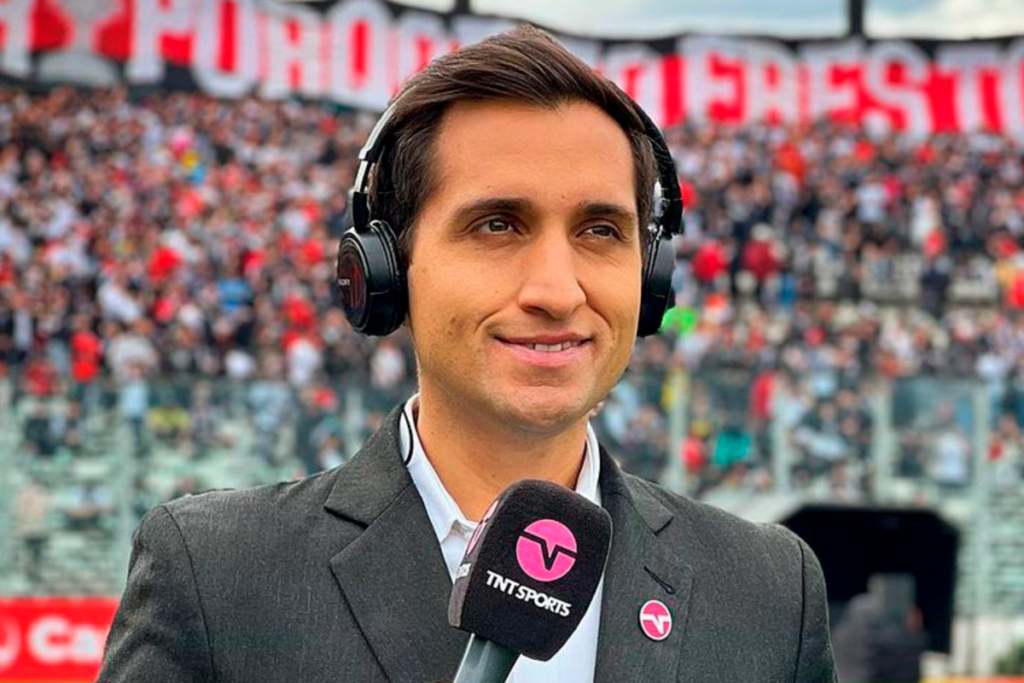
371,279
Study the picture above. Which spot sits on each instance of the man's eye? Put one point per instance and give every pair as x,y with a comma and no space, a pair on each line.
603,230
495,226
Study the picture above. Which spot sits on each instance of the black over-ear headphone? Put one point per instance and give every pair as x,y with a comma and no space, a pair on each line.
371,277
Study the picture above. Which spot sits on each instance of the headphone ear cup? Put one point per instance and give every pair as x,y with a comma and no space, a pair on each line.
657,284
371,280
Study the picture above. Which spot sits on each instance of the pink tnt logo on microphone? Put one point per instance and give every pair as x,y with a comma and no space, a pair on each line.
546,550
655,620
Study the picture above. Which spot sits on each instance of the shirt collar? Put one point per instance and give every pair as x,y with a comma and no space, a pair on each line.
445,515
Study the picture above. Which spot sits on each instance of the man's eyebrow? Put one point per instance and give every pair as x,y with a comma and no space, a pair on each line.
618,212
583,210
492,205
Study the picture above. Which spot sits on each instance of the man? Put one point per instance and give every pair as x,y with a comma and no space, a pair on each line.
520,183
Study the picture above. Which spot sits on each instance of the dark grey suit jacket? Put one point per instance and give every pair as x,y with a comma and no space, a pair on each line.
339,577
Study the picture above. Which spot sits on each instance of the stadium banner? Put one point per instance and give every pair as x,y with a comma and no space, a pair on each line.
53,639
358,52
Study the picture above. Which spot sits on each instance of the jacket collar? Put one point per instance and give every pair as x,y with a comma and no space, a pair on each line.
373,478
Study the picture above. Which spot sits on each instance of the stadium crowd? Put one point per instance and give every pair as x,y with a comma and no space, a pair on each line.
167,257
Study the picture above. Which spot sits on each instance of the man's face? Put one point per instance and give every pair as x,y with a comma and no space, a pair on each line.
531,238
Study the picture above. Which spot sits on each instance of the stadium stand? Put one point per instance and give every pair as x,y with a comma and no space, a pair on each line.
847,327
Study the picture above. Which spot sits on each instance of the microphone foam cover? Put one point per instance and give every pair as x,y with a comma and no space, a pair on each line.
531,568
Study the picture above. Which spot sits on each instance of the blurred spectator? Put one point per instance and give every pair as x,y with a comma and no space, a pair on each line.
1006,453
31,508
130,352
88,506
871,646
40,377
133,405
38,437
762,258
270,405
709,261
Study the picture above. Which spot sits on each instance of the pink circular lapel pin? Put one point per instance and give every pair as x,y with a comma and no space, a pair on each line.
655,620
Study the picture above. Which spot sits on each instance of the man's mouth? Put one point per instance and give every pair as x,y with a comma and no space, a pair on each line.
548,351
551,348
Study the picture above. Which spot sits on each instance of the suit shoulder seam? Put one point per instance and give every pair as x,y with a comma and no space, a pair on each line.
803,608
195,587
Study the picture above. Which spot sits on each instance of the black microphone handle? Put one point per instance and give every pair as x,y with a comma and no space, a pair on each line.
485,661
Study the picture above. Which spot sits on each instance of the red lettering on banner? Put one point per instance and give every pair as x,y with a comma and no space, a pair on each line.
325,56
360,51
941,93
413,40
113,38
177,49
424,49
832,80
1014,95
893,76
53,639
848,77
638,71
226,55
991,116
51,29
733,109
772,81
263,59
672,74
630,77
293,39
360,60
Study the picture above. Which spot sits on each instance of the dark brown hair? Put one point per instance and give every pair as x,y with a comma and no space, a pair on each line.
525,65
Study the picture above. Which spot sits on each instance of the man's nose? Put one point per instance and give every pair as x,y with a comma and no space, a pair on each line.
550,278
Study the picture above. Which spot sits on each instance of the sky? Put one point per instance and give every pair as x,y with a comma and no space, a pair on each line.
652,18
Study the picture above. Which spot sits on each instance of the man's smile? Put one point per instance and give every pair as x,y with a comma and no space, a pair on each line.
548,352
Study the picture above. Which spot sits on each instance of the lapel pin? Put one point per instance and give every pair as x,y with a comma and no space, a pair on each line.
655,620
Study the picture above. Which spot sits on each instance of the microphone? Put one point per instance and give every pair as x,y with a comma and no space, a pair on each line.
530,571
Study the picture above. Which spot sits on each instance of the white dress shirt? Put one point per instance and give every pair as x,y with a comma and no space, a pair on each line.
575,662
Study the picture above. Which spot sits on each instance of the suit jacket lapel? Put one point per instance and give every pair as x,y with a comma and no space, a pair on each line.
393,574
641,567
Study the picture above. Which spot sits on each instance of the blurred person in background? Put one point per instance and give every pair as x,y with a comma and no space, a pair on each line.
133,405
88,505
38,437
31,512
877,641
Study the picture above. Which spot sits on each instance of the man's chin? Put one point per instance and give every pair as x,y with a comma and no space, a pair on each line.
541,417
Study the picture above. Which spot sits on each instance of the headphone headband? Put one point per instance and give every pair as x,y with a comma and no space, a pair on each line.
369,155
671,214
